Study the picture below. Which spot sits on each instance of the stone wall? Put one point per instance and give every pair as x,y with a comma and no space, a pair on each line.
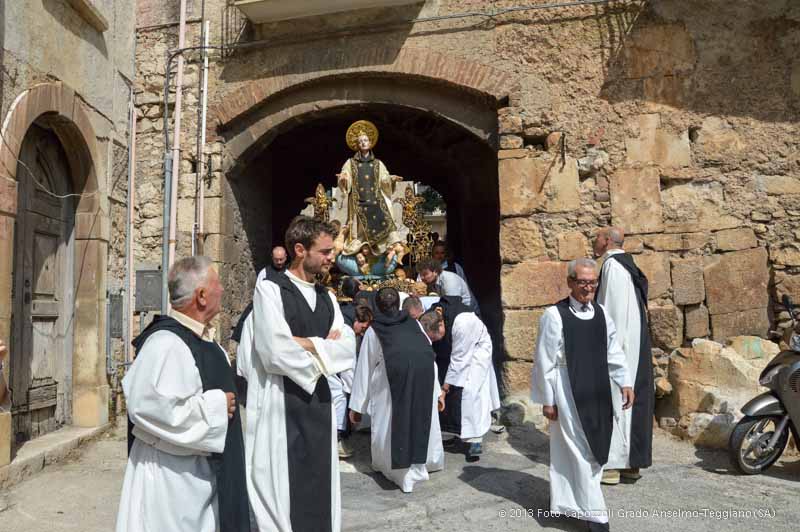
78,66
676,120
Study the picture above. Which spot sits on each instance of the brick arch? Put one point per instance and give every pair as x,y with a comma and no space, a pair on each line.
66,113
73,127
412,63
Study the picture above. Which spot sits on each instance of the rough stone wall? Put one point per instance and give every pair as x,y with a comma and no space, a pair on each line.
676,120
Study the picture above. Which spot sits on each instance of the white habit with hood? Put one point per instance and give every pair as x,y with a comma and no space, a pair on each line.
372,395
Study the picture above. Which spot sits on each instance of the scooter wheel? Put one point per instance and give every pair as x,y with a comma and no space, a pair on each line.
748,442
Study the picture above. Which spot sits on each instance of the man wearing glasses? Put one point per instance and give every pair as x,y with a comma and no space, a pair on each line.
576,353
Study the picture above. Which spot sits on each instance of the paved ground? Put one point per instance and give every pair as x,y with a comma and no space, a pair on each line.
505,490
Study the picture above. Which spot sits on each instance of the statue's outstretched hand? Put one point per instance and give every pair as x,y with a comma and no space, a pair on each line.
342,181
395,178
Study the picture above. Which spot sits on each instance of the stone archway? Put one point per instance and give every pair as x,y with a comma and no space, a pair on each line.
433,130
63,112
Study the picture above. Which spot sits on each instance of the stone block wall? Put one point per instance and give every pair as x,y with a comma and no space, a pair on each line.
676,120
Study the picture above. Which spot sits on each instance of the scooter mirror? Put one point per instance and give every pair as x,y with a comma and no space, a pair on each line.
787,301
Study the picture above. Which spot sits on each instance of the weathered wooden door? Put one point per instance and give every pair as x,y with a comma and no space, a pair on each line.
43,294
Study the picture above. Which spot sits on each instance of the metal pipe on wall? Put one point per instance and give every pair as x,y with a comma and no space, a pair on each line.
129,241
172,171
201,145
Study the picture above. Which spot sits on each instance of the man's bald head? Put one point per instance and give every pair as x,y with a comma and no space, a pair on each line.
279,257
608,238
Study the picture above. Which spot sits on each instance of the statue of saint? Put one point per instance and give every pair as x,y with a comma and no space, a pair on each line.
368,187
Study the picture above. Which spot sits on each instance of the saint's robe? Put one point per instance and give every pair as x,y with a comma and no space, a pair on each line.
286,444
626,301
575,470
472,372
169,483
372,395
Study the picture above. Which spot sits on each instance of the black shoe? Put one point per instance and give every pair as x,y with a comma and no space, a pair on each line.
452,443
591,526
474,452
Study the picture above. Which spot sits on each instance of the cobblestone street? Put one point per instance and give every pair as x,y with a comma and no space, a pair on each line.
503,491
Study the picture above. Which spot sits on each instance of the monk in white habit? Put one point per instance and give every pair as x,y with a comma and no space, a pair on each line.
186,464
396,384
299,340
577,351
470,383
623,292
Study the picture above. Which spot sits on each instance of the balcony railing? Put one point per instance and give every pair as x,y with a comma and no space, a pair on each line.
260,11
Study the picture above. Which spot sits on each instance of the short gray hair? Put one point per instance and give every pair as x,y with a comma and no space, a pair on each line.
572,268
412,302
186,276
430,321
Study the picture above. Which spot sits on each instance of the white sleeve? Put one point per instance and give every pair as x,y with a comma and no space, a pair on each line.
244,350
337,356
548,345
275,347
359,398
466,332
165,397
617,364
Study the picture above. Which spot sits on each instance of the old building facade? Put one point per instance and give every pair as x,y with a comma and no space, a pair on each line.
538,121
67,72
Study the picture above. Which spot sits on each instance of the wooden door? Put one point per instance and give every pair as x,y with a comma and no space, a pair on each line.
43,295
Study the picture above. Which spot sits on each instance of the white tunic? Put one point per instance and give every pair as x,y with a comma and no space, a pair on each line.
371,395
168,482
471,368
618,295
275,355
574,473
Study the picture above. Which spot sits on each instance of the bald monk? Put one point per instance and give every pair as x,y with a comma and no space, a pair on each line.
623,292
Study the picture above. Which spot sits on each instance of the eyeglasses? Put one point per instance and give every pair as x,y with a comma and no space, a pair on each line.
585,283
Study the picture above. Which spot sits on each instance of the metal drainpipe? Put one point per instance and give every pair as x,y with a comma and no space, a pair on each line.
201,144
172,172
129,229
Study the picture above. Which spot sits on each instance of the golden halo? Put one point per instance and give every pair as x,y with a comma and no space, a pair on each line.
357,128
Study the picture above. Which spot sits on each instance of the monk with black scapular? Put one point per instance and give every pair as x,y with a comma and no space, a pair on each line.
623,292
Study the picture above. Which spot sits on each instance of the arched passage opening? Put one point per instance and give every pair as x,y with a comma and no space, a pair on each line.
418,145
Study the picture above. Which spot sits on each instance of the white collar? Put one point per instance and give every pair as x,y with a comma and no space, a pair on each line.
615,251
297,280
577,305
205,332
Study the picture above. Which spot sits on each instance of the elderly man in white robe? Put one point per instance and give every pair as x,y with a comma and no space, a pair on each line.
470,383
395,368
179,429
623,292
577,351
299,341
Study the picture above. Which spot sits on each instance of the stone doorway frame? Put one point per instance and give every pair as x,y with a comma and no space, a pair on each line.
71,123
246,119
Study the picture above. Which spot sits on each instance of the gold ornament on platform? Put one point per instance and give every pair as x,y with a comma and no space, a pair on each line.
358,128
321,203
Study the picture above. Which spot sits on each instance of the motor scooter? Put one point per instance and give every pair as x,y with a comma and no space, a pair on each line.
760,437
